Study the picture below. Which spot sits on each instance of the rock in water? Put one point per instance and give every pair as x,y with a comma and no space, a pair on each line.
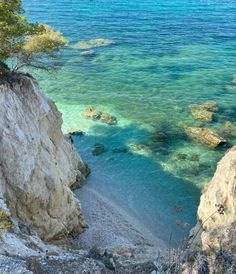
120,150
85,45
210,105
139,148
204,136
200,113
229,128
159,136
75,132
107,118
203,112
37,164
103,117
181,156
91,112
98,149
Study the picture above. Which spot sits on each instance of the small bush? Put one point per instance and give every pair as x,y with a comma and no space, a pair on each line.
5,222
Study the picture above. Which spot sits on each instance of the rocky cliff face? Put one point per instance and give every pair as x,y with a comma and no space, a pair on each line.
212,246
37,163
217,209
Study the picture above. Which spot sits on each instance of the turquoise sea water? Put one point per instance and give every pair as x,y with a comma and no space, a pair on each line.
165,55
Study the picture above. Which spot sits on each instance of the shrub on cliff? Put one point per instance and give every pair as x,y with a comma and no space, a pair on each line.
23,43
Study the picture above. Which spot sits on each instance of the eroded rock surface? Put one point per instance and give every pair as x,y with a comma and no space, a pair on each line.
203,112
37,163
205,136
212,245
220,228
200,113
107,118
103,117
229,128
92,113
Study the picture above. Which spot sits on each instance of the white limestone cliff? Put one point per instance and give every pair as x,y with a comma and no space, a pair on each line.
212,241
37,163
217,209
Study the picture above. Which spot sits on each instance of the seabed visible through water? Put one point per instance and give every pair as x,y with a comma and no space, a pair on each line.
162,57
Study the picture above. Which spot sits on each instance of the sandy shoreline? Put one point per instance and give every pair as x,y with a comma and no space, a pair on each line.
110,226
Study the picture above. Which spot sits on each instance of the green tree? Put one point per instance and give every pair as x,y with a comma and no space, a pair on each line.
38,48
24,43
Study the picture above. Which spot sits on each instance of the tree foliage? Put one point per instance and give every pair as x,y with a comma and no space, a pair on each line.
38,48
25,43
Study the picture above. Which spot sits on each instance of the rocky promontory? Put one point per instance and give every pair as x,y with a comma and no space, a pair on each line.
38,165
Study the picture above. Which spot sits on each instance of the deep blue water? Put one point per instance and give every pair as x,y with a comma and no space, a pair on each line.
165,55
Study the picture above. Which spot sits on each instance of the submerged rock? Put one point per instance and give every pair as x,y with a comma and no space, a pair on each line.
230,128
88,53
181,156
204,136
91,112
194,171
159,136
98,149
160,150
203,166
107,118
204,112
120,150
194,157
200,113
210,105
37,163
76,132
103,117
139,147
93,43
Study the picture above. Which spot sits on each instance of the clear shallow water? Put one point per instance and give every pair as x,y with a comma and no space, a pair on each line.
165,56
